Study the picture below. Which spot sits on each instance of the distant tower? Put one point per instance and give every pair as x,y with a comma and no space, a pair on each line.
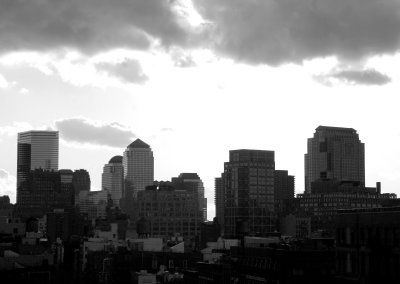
36,150
81,181
334,153
45,191
191,182
284,185
219,196
249,193
113,179
80,184
138,163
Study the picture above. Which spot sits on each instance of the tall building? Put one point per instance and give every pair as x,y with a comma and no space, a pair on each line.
249,193
284,185
43,191
138,163
334,153
81,181
36,150
113,179
219,197
191,182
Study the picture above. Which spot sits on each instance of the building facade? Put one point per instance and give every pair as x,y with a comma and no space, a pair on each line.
191,182
113,179
322,208
44,191
169,211
368,245
138,163
219,195
36,150
249,192
334,153
284,185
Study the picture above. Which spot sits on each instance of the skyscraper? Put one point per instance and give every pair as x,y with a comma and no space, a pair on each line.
191,182
334,153
80,183
284,185
219,197
36,150
138,163
113,179
249,192
43,191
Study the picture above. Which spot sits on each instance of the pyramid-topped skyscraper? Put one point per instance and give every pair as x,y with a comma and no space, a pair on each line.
138,162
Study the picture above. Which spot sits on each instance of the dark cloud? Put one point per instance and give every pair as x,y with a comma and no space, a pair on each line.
275,32
363,77
355,77
258,31
83,131
128,71
88,25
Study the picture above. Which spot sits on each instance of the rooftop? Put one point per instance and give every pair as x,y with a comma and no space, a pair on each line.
332,128
138,144
116,160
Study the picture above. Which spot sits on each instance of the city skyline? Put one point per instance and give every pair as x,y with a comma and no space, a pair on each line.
199,79
211,206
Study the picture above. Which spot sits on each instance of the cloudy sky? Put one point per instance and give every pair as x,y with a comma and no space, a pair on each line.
197,78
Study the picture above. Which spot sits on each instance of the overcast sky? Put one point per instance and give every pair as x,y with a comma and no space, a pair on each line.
197,79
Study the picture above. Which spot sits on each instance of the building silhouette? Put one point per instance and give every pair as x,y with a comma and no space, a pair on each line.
81,181
138,163
44,191
191,182
219,197
36,150
249,193
334,153
112,179
284,185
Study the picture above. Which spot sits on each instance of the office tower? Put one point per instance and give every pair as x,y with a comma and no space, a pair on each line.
334,153
138,165
249,193
170,211
191,182
45,191
81,181
284,185
113,179
36,150
219,196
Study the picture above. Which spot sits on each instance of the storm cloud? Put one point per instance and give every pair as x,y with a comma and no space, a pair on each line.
367,77
257,32
88,25
84,131
362,77
277,32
